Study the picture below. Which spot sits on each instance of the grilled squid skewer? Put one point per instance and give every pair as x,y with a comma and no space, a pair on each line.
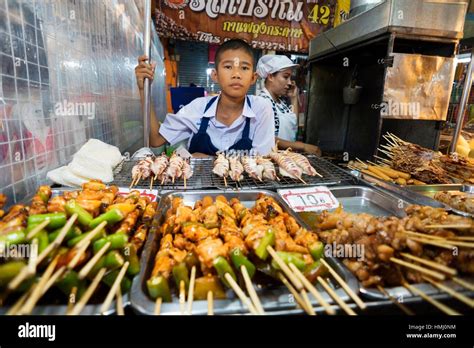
236,168
251,167
268,169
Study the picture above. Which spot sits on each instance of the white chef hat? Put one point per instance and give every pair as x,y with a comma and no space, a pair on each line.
272,63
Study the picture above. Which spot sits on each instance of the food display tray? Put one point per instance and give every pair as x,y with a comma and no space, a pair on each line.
273,298
371,200
431,190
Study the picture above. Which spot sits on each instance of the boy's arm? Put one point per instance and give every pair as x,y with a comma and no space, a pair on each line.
143,70
299,146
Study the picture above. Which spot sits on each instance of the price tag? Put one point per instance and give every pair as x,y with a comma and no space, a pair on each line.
309,198
152,194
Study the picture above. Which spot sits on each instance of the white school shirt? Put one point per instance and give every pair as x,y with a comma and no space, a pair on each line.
286,125
184,124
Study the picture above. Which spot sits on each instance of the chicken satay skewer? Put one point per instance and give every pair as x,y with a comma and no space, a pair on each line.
114,287
182,296
284,267
251,290
400,305
296,295
336,297
210,303
192,280
451,292
344,285
312,289
441,306
77,309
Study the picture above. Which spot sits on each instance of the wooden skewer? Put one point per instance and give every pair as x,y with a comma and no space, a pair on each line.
449,243
451,226
306,300
364,164
462,238
38,291
296,295
424,235
133,180
336,298
251,290
37,229
301,179
433,242
87,268
18,304
317,295
182,296
451,292
296,282
158,306
53,278
418,268
191,290
245,300
71,299
463,283
151,182
81,250
118,302
87,295
344,285
59,239
432,264
184,178
404,308
210,303
225,181
115,286
33,260
92,234
442,307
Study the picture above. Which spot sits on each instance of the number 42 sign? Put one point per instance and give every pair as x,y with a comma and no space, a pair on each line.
309,198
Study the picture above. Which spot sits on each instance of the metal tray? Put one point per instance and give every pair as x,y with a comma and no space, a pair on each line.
431,190
274,298
360,199
332,175
363,199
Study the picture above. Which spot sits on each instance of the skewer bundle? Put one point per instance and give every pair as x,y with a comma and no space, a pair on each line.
161,168
291,164
226,243
87,241
404,251
426,165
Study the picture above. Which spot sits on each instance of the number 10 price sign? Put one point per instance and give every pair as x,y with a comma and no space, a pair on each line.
309,198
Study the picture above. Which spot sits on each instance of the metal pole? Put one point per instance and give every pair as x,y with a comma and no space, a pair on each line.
466,90
146,89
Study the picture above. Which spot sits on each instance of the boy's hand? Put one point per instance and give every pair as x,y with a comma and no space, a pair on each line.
312,149
142,70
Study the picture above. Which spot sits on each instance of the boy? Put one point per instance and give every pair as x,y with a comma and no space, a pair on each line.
231,121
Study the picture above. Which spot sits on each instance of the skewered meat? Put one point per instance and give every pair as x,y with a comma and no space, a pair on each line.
287,166
221,166
236,168
187,170
174,170
159,165
39,203
209,249
268,169
250,165
302,162
458,200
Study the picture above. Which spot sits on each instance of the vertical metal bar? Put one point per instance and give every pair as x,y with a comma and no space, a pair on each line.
462,105
146,89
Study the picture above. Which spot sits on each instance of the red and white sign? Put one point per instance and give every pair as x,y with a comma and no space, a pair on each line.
316,198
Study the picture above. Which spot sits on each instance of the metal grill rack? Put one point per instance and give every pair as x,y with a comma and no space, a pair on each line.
200,178
332,175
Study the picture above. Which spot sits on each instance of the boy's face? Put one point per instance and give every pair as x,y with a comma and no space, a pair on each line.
235,73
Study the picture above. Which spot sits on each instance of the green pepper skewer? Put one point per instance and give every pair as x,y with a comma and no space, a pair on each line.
111,217
56,220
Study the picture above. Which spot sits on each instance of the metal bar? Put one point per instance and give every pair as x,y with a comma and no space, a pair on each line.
464,99
146,89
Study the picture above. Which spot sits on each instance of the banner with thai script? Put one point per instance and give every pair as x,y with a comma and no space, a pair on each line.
282,25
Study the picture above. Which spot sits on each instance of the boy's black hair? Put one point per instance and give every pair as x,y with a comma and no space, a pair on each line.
233,44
